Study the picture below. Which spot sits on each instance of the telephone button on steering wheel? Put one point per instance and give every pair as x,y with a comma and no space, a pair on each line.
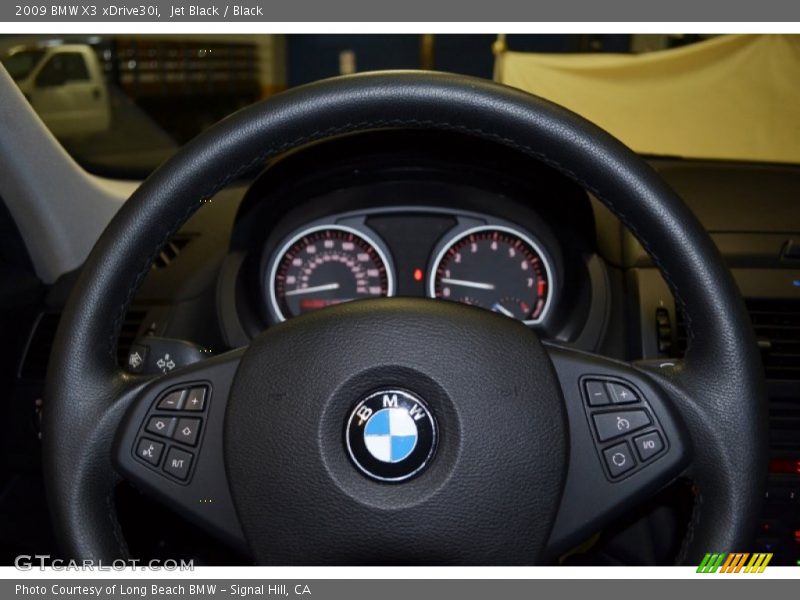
149,451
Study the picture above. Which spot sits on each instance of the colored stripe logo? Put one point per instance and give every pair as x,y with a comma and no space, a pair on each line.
735,562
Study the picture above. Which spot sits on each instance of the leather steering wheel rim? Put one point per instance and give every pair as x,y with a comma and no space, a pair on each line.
718,387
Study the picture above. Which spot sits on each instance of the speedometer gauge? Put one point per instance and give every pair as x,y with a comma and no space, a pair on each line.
496,268
324,266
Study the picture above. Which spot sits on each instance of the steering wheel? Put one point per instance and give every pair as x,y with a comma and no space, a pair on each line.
503,449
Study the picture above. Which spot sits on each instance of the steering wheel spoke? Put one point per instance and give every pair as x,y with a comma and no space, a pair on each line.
626,442
170,444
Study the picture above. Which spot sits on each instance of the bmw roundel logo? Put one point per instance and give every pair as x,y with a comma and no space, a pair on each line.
391,435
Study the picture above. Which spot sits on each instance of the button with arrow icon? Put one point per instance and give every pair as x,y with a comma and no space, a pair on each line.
163,426
186,431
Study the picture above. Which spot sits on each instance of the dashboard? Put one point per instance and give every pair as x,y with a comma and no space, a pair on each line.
435,215
414,215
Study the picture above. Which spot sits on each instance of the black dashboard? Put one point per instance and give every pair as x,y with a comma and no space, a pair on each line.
443,216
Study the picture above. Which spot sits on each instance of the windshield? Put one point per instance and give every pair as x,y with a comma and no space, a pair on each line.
122,104
20,64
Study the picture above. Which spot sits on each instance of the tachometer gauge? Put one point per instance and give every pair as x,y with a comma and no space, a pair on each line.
494,267
327,265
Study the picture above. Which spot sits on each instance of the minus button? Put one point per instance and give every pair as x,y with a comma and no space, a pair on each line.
596,393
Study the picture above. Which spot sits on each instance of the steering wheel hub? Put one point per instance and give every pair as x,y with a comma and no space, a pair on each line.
482,459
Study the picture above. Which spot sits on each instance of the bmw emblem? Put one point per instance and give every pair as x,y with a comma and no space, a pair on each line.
391,435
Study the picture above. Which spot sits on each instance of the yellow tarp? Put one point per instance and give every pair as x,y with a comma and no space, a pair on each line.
732,97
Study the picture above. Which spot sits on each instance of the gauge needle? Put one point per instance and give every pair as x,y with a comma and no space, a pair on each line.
310,290
502,309
470,284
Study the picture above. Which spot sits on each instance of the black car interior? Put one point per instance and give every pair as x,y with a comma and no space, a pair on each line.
644,261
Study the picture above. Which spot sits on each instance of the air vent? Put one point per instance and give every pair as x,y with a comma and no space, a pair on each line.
784,425
777,328
131,329
34,362
171,251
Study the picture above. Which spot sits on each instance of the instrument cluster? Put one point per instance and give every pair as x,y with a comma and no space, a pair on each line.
453,256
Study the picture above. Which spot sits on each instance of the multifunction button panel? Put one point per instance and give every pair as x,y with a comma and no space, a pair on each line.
169,437
626,433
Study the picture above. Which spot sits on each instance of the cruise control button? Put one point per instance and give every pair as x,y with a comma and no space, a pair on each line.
187,431
149,450
172,401
611,425
648,445
619,459
163,426
196,399
596,393
178,463
621,393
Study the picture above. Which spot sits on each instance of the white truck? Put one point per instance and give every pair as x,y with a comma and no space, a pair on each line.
65,85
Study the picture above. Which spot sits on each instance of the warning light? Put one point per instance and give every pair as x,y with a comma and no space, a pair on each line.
418,274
